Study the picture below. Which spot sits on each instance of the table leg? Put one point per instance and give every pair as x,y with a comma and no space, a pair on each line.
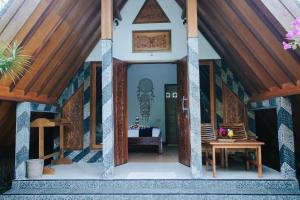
226,158
259,164
206,156
214,161
222,158
41,142
247,159
61,141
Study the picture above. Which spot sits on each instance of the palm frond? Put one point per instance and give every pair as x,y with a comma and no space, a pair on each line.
13,62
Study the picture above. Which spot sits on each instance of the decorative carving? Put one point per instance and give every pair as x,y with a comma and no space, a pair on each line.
143,41
151,12
73,111
234,108
145,95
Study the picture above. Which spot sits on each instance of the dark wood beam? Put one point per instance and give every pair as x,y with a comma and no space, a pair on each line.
65,50
245,33
263,43
292,65
228,56
231,37
27,81
87,41
18,95
276,93
90,44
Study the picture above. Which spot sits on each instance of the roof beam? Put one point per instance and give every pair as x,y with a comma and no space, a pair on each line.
228,55
18,95
65,50
276,93
35,69
231,38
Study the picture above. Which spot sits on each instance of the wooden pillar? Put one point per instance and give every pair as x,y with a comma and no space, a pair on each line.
107,87
106,19
194,89
192,18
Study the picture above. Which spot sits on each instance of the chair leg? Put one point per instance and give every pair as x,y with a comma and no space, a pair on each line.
247,160
206,157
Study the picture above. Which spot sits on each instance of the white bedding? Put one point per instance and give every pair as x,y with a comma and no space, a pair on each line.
132,133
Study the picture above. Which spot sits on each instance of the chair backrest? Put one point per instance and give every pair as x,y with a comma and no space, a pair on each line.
207,133
239,131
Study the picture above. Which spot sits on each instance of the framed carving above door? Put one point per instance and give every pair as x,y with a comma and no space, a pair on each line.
150,41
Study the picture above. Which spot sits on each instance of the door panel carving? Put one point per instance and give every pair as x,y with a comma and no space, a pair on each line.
73,111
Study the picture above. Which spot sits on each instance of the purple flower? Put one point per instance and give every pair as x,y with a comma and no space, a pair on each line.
289,35
222,132
296,22
286,45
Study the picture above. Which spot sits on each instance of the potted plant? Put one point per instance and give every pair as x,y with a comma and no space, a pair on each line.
13,62
293,36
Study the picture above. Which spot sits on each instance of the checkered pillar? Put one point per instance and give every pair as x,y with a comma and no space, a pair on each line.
107,109
22,139
194,111
286,138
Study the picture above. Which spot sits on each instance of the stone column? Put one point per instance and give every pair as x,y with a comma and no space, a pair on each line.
286,138
107,87
22,139
194,105
194,89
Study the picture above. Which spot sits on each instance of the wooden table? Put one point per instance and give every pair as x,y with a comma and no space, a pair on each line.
247,144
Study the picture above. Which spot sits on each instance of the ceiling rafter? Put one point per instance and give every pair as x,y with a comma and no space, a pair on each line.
232,38
27,83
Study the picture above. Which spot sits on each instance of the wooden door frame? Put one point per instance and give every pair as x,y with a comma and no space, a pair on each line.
93,103
210,64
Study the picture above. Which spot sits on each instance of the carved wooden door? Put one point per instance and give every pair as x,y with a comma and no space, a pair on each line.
233,108
184,150
73,111
120,112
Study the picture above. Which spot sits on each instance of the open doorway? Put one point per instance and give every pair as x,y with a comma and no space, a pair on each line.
157,140
152,120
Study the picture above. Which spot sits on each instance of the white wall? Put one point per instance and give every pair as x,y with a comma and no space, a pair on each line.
160,74
122,36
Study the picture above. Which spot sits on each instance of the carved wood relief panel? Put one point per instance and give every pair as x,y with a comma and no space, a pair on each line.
145,41
233,108
151,12
73,111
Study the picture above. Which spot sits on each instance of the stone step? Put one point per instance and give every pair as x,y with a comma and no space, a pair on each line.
154,189
140,184
151,197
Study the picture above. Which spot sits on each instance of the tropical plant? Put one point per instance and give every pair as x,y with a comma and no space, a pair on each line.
13,62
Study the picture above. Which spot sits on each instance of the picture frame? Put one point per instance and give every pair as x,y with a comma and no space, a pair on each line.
151,41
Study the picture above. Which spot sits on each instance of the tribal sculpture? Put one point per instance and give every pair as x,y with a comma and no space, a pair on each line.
145,95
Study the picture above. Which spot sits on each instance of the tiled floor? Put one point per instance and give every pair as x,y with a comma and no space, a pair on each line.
151,165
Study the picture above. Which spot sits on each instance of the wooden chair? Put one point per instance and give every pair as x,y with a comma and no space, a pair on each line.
208,134
239,130
240,133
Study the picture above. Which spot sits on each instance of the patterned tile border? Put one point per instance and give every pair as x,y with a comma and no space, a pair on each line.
286,137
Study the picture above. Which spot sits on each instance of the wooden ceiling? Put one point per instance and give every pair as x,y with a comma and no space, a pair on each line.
248,37
59,34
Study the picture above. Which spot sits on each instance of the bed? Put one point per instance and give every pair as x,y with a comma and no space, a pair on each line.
145,137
